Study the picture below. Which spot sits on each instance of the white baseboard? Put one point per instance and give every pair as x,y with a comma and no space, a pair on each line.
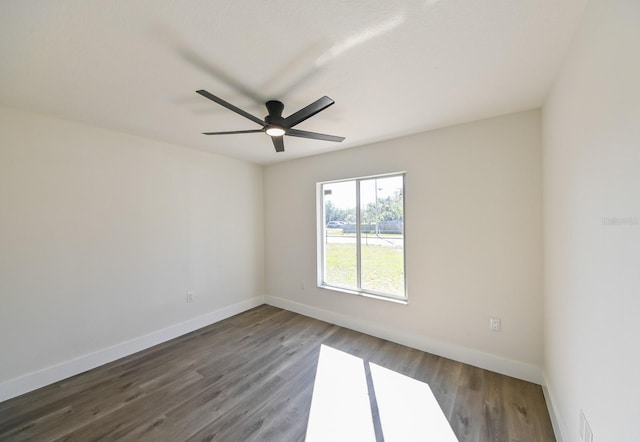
31,381
509,367
558,428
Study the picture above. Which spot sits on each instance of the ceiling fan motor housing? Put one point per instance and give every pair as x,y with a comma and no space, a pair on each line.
275,109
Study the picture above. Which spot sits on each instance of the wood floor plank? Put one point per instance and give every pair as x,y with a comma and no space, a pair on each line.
467,407
251,378
444,384
494,425
118,424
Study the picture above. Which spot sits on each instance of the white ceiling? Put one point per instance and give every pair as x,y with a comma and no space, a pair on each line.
393,67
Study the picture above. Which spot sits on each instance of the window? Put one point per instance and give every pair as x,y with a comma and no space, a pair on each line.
361,236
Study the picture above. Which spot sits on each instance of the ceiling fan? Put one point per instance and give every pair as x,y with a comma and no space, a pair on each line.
274,124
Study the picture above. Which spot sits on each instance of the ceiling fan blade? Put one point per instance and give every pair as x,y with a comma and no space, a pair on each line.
308,111
233,132
314,135
278,144
230,106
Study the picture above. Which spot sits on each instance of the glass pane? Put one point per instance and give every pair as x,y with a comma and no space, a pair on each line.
340,256
382,235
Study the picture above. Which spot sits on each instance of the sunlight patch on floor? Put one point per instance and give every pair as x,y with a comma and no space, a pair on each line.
340,409
345,408
408,409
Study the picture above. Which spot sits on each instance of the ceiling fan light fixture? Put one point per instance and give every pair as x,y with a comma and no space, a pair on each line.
275,131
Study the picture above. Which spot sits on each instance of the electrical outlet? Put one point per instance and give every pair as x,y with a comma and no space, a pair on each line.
495,324
189,297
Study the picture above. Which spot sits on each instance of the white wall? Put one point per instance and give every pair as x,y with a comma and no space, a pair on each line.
474,241
102,234
591,138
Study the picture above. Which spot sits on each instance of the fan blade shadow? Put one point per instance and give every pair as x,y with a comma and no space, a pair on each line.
218,73
313,59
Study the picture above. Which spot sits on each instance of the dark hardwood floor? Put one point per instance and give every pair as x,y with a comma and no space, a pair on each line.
251,377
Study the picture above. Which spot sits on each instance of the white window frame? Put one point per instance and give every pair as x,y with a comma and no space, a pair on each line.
321,226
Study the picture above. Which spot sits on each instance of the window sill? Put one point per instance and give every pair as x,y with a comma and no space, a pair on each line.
364,294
